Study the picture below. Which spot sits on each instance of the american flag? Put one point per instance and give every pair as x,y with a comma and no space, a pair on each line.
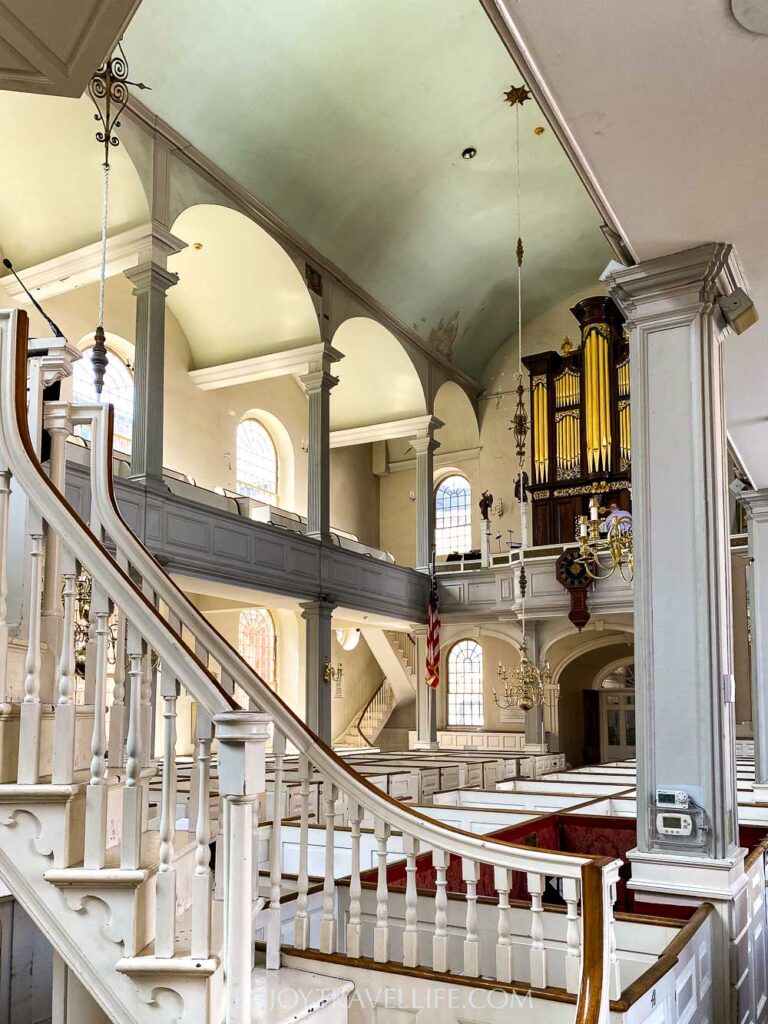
433,635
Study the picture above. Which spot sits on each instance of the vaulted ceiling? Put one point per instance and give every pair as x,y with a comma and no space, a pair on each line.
349,121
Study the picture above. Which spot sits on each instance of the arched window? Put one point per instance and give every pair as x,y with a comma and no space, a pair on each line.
257,642
256,462
453,515
117,389
465,683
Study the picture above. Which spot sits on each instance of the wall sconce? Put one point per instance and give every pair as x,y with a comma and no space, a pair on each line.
412,495
305,445
336,675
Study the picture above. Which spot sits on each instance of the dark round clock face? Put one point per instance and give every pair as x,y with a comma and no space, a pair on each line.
571,571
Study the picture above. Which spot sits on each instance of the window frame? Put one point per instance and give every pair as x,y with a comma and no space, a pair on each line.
116,365
252,488
256,662
471,683
454,521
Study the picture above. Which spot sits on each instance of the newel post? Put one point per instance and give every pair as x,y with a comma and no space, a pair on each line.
242,737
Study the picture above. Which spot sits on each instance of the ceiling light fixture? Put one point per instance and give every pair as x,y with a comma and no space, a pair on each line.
197,246
538,130
469,153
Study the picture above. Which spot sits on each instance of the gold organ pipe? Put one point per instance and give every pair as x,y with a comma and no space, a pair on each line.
544,432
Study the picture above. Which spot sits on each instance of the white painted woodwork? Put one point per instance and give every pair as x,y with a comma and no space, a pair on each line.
470,873
381,929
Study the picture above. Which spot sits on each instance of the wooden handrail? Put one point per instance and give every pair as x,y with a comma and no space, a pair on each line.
384,683
592,1007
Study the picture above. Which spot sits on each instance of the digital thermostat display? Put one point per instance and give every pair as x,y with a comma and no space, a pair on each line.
674,824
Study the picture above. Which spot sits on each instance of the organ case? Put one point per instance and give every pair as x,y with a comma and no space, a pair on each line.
581,441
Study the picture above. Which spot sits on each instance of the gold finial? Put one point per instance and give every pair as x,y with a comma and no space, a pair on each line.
516,94
566,346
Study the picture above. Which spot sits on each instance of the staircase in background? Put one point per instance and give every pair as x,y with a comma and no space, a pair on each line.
108,837
367,724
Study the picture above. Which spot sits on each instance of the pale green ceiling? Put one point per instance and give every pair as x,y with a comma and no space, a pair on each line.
348,118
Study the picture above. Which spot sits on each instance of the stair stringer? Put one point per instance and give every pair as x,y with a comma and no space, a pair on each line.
391,664
87,947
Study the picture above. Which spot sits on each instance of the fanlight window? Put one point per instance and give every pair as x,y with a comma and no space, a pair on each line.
256,462
117,390
257,642
453,515
465,684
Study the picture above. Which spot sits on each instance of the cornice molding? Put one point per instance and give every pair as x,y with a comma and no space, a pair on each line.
679,281
148,242
288,238
756,503
302,360
441,461
414,426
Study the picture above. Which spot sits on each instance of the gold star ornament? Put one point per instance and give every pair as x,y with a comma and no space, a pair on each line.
516,94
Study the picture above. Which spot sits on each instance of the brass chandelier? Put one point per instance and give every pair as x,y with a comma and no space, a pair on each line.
606,542
526,686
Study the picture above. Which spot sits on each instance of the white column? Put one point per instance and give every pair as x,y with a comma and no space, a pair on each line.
318,637
151,282
426,696
317,384
424,446
535,738
683,641
756,504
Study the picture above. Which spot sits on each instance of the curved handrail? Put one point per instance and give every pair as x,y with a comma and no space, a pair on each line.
592,1007
384,683
171,648
25,465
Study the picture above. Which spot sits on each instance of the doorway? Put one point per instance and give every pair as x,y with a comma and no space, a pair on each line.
617,725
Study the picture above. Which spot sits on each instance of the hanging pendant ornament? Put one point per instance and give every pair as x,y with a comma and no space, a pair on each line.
108,89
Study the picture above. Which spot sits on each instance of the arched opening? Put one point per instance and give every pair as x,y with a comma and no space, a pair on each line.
257,463
453,515
117,389
465,684
239,294
257,642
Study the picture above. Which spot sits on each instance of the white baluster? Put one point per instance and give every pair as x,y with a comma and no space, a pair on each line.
201,881
242,736
59,427
354,925
381,929
470,873
65,711
440,861
96,793
145,697
130,852
411,933
301,939
615,965
274,914
328,922
204,656
116,751
572,935
538,952
5,496
165,941
30,724
504,949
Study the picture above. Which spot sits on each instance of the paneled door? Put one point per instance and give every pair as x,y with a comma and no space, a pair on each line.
617,725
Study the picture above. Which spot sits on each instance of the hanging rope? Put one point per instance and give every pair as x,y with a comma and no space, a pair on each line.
99,358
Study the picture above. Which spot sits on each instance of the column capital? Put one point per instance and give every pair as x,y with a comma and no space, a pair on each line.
419,629
318,380
150,276
56,418
424,445
688,281
756,504
324,606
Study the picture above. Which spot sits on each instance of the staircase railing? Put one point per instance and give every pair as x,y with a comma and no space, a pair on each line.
89,807
160,619
406,644
360,800
375,713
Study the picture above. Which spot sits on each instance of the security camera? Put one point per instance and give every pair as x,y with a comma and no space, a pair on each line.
738,309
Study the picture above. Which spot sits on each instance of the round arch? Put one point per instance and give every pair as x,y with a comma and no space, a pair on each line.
454,408
378,381
286,469
231,270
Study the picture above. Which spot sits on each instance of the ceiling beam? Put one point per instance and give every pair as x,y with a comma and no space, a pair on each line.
414,426
81,266
299,360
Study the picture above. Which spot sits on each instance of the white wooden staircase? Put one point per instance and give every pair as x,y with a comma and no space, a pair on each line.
91,803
